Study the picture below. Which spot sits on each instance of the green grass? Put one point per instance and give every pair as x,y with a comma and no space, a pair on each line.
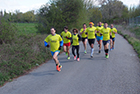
26,28
136,31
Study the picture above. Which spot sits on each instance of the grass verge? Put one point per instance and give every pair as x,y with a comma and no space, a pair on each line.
133,41
22,55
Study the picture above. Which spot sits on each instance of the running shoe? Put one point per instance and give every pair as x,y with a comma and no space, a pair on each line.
107,56
91,56
66,54
74,57
99,51
58,68
78,59
85,51
112,48
68,58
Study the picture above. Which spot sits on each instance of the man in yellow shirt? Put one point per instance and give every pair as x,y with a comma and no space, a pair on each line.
91,30
105,32
99,37
66,46
112,37
56,43
83,32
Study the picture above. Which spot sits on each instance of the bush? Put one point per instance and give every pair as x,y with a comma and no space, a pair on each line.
7,31
20,53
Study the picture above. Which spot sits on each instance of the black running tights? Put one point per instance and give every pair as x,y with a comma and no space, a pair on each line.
77,50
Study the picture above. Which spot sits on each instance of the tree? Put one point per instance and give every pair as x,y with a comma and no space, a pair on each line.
29,16
95,14
60,13
113,9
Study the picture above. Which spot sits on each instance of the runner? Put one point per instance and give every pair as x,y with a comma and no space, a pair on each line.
56,43
99,37
75,43
83,32
112,37
91,30
106,38
66,46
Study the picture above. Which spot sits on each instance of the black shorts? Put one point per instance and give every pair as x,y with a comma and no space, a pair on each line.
105,42
91,41
83,39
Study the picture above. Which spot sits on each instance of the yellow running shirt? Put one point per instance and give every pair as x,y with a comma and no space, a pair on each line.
84,35
113,34
54,41
106,33
99,29
64,35
75,40
91,32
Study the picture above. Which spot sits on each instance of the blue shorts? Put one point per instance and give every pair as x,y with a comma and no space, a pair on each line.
99,38
54,52
105,42
113,39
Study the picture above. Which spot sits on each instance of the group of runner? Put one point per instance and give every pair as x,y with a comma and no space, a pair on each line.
102,33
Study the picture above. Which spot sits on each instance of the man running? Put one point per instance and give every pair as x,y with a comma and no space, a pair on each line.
83,32
99,37
112,37
66,46
91,30
56,43
105,32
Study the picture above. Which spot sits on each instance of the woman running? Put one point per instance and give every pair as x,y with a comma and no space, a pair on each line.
99,37
66,46
91,30
105,32
112,37
75,43
56,43
83,32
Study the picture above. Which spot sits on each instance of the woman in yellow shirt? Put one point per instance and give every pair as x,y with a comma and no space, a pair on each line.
75,43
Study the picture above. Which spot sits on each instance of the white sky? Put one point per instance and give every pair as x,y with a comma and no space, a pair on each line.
26,5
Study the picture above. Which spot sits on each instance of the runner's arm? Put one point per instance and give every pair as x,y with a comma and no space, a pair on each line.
69,38
79,37
61,44
82,32
46,44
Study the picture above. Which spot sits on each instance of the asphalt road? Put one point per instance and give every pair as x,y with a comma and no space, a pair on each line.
120,74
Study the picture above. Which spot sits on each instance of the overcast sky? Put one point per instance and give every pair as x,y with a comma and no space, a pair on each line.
26,5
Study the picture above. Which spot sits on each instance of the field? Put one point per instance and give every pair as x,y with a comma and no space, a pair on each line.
26,28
